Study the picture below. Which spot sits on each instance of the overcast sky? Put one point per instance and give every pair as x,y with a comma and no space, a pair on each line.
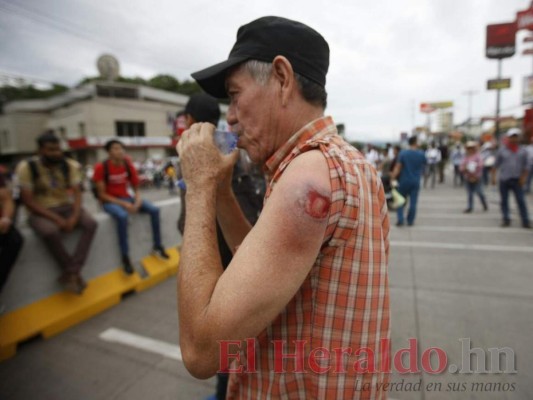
386,56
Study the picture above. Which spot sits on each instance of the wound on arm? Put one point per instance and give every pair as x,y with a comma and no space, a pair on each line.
315,204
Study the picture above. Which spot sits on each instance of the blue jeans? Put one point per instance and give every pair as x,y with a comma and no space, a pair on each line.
514,186
120,214
409,190
473,188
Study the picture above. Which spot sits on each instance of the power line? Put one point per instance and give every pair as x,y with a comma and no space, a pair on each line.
28,78
48,22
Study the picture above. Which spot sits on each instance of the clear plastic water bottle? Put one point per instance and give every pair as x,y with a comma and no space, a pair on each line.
225,141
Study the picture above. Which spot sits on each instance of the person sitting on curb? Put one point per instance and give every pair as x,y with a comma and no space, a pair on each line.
50,188
10,239
112,178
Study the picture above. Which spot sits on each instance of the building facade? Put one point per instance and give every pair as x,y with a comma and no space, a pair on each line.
87,116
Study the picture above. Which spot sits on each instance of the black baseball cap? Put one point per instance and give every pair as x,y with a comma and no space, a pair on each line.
203,108
265,38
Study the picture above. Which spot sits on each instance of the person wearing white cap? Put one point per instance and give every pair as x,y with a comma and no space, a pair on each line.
472,168
511,162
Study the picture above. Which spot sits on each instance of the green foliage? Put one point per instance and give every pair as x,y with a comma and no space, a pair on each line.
25,92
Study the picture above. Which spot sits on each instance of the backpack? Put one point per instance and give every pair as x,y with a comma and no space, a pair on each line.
105,165
34,173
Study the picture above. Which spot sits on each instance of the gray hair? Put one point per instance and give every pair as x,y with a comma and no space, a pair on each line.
312,92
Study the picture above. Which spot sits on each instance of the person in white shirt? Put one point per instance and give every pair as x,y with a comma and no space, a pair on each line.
433,157
372,156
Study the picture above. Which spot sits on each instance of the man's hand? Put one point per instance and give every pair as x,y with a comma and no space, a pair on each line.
130,207
5,224
61,223
201,162
138,203
70,223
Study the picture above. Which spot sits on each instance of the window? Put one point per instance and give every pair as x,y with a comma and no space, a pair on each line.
81,127
129,128
5,139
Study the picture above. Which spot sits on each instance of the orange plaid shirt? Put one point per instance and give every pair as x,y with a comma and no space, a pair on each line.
344,301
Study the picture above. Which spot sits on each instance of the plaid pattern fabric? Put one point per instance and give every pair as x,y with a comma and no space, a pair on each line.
344,301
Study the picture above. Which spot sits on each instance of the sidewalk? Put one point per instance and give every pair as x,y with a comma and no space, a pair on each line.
452,276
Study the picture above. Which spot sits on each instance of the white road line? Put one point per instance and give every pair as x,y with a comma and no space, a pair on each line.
460,246
468,229
458,214
165,349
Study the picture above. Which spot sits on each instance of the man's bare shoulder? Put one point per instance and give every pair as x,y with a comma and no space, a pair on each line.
303,191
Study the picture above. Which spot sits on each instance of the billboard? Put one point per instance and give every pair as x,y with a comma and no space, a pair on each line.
524,19
430,107
527,90
501,40
498,84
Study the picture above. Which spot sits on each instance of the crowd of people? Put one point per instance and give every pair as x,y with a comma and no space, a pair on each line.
475,166
313,266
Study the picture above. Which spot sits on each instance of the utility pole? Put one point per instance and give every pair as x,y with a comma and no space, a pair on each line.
470,93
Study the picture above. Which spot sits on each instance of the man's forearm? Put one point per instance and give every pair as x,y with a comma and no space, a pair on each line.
36,208
232,220
199,269
76,206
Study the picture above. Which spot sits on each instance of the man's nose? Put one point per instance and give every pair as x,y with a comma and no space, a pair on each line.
231,116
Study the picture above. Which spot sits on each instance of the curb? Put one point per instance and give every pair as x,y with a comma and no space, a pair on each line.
54,314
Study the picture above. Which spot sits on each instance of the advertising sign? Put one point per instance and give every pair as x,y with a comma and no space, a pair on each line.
524,19
501,40
527,90
498,84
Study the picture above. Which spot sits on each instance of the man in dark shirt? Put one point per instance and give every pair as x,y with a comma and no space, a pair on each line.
408,171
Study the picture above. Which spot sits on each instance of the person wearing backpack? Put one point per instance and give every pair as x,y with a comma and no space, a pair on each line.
50,190
112,178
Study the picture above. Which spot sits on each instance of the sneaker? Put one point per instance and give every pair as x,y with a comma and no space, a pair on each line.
399,224
126,264
505,224
526,226
467,211
71,282
160,252
82,282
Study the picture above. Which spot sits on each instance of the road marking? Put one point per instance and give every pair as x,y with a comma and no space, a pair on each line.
469,229
458,214
120,336
460,246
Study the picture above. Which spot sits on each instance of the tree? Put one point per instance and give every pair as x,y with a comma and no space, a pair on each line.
28,91
164,82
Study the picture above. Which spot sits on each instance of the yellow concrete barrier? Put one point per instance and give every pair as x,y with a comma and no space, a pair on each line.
49,316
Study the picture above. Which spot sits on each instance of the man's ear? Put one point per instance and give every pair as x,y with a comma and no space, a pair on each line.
284,74
189,120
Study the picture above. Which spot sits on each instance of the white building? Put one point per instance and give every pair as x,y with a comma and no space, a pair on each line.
86,117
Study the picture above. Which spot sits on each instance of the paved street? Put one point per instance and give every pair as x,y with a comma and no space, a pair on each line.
452,277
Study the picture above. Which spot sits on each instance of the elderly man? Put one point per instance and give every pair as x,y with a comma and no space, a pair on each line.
307,289
511,163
